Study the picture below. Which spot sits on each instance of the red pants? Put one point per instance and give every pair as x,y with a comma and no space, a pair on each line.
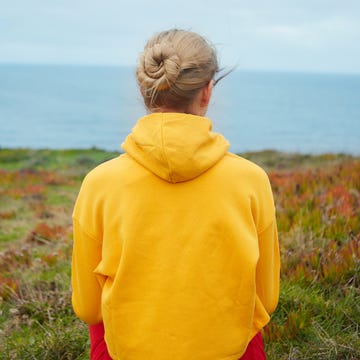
98,349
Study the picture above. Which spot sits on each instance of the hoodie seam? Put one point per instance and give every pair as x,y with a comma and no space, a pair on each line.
267,226
163,148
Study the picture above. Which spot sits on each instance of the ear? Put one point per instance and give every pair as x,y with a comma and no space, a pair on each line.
206,94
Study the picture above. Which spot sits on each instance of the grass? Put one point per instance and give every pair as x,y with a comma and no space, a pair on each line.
318,212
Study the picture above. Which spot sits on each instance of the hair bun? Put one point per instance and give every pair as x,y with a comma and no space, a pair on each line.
161,64
174,65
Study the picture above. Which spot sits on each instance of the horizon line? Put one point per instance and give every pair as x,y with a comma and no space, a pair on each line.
114,65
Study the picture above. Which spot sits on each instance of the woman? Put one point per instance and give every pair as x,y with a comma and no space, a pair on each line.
175,243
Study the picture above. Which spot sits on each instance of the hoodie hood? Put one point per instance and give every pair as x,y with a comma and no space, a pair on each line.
174,146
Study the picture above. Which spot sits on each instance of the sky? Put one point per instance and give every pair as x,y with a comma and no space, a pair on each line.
291,35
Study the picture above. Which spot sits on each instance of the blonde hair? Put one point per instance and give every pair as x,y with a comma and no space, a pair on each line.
173,67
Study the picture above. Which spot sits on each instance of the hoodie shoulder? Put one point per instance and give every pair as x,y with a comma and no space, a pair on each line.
107,173
247,166
102,169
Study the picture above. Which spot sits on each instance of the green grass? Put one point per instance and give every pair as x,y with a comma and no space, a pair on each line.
318,213
16,159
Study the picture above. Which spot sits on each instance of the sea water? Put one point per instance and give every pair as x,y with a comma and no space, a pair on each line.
60,107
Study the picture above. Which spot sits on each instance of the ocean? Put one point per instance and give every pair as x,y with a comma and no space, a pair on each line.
62,107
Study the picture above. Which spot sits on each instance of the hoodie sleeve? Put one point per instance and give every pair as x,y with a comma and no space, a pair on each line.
86,289
88,232
268,268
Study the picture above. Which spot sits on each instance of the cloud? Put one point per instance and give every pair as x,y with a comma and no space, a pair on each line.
258,33
313,33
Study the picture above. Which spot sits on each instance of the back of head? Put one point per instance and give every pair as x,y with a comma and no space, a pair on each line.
173,67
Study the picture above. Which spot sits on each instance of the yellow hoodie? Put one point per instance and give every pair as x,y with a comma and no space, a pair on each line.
175,245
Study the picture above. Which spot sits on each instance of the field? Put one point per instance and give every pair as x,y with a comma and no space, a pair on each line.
318,213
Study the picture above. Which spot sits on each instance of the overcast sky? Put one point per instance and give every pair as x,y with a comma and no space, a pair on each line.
301,35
